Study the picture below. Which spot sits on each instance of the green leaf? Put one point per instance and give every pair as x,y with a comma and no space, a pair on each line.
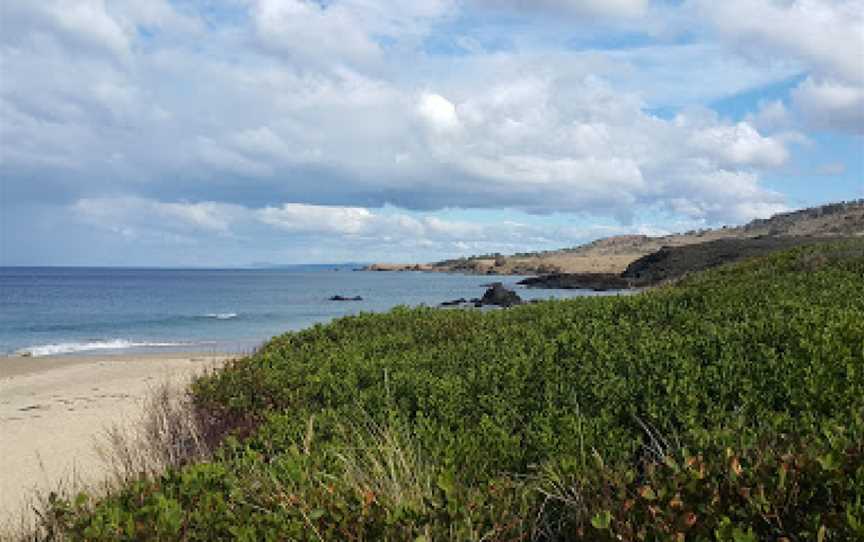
647,493
316,514
740,536
446,482
602,520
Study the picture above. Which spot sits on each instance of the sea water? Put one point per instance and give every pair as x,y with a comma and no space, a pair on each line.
56,311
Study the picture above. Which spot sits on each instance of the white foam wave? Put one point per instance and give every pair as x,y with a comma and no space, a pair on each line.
222,315
72,347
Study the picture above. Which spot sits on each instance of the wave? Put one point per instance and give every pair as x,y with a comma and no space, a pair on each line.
72,347
222,315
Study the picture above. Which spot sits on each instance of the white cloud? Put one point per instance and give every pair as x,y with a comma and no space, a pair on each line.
262,141
831,104
606,8
131,215
345,108
438,112
91,25
576,145
740,145
356,222
371,233
225,160
826,36
153,15
724,196
298,217
88,21
772,116
313,32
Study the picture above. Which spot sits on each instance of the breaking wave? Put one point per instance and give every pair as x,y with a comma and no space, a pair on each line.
222,315
72,347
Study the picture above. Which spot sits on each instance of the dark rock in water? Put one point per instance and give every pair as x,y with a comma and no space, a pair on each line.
454,303
500,296
599,282
342,298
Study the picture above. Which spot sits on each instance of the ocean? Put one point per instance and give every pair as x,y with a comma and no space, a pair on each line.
62,311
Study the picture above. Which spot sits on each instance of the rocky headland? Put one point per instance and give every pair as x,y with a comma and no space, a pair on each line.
628,261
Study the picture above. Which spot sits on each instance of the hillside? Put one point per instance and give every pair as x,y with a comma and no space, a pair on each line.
614,254
727,407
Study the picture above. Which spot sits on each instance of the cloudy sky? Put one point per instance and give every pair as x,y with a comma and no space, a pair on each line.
227,132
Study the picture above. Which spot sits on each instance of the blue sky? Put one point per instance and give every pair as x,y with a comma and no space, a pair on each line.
220,133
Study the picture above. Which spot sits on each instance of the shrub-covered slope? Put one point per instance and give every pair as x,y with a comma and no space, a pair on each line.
727,407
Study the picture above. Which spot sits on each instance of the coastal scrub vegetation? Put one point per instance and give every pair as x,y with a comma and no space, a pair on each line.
729,406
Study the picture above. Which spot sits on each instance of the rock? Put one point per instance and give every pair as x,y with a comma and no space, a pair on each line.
599,282
454,303
343,298
500,296
671,263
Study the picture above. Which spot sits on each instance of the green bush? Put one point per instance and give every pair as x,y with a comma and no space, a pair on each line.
729,406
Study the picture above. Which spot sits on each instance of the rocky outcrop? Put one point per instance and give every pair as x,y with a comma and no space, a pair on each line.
599,282
343,298
500,296
670,263
397,267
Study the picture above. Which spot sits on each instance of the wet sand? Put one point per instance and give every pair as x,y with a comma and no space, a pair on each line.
53,410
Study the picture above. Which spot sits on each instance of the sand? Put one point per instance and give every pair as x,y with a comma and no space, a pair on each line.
53,410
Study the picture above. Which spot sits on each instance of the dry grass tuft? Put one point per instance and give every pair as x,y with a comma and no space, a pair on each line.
385,463
168,435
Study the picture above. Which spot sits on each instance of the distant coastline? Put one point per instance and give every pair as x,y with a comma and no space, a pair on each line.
609,259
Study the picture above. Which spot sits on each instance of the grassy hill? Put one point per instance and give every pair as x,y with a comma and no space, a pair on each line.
729,406
614,254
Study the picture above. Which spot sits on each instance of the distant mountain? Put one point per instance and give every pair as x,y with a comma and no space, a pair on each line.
307,266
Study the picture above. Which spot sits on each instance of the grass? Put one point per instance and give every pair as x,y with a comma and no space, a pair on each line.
729,406
168,436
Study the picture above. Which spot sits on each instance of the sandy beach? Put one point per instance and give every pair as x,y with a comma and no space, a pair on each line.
53,409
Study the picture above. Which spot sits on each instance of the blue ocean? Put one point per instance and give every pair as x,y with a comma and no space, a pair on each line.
57,311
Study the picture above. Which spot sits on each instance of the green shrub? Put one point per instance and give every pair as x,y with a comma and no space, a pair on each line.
727,407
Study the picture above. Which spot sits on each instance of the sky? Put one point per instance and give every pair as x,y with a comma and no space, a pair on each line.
235,132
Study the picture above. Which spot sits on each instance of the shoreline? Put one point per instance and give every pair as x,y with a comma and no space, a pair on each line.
54,409
12,365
